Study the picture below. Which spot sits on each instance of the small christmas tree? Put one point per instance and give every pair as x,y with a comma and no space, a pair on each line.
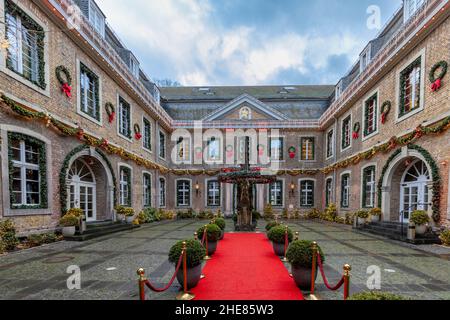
268,212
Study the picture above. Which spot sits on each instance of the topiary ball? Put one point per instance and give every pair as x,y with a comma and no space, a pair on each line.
277,234
300,254
220,222
213,232
272,224
195,253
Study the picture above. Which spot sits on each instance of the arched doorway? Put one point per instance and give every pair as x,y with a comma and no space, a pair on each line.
414,191
83,189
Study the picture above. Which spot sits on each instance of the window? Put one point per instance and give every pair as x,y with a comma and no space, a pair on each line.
162,192
134,66
371,115
308,149
328,192
125,187
89,93
410,8
276,194
345,191
346,132
162,145
183,149
277,149
213,194
369,187
96,18
27,172
25,54
147,186
410,87
365,58
330,144
147,136
338,90
183,193
214,153
124,118
307,193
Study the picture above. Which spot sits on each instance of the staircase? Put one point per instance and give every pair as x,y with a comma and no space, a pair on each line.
99,229
393,230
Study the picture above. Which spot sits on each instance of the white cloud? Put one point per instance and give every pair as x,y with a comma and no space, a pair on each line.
185,33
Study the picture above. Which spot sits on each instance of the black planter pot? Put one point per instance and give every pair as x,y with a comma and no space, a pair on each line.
222,234
212,247
278,248
193,276
302,277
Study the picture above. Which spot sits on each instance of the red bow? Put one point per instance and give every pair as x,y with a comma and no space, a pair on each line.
383,118
111,117
292,155
355,135
104,143
436,85
67,90
138,136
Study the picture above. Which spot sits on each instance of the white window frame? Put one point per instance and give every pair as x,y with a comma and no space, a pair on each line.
144,195
282,151
374,185
314,148
329,192
313,191
122,184
377,115
422,55
327,142
187,146
283,190
176,193
350,130
365,58
411,7
119,119
96,18
164,191
220,147
159,144
144,119
348,188
100,99
339,89
207,204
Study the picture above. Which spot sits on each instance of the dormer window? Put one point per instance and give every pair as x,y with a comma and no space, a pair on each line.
365,58
339,89
411,7
96,18
134,66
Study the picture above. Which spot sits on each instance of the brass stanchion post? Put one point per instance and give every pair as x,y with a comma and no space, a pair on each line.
286,244
297,236
142,279
195,236
185,295
314,267
347,269
207,257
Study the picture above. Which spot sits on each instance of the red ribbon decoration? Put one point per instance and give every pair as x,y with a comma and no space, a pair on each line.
292,155
138,136
436,85
67,90
355,135
383,118
111,117
80,134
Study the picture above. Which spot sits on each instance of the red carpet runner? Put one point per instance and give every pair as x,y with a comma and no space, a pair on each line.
246,268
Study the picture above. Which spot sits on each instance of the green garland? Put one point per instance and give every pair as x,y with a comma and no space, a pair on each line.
443,65
63,70
366,115
403,76
65,168
434,173
10,7
43,185
95,78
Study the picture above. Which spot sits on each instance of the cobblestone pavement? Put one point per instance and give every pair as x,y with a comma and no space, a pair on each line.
108,265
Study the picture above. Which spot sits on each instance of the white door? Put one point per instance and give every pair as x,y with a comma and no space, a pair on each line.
82,190
414,193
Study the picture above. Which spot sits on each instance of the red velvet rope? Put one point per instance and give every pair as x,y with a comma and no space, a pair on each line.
153,288
338,286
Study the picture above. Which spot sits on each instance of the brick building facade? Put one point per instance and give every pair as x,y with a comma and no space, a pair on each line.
59,152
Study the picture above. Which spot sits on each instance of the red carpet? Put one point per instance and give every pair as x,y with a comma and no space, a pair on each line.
246,268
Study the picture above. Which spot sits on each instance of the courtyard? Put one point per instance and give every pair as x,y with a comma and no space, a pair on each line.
108,265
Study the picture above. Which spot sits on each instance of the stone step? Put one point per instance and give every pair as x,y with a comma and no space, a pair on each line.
396,235
99,231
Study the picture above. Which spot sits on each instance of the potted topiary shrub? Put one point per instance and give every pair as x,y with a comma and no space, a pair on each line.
300,255
119,212
195,255
375,214
362,216
127,213
420,219
212,236
271,225
445,237
69,222
220,222
278,235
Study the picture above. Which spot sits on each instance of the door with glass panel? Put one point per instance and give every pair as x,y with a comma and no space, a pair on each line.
82,189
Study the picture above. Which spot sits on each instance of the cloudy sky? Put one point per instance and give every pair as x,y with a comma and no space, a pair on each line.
247,42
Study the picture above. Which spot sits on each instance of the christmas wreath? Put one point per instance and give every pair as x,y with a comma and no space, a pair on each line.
110,111
137,132
292,151
65,79
356,130
436,81
385,110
